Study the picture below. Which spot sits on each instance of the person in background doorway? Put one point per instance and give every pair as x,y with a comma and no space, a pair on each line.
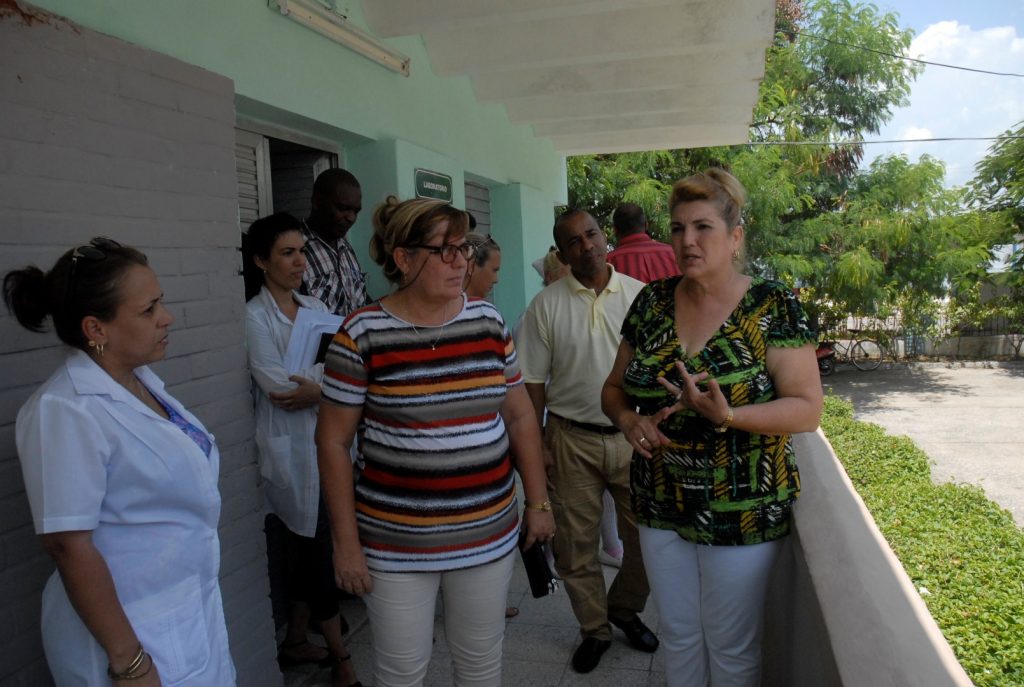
333,274
483,272
552,267
286,406
121,481
636,253
715,370
480,281
432,380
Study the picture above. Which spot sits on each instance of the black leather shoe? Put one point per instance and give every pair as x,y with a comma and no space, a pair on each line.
588,655
640,636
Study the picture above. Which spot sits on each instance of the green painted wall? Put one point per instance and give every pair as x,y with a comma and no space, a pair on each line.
375,165
523,222
273,59
388,168
522,216
292,77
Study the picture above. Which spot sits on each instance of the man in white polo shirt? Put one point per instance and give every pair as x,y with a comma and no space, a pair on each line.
567,345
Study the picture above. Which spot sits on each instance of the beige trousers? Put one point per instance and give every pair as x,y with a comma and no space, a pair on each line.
587,463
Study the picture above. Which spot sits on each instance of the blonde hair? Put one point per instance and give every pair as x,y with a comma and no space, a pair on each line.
403,224
552,262
716,186
483,245
554,268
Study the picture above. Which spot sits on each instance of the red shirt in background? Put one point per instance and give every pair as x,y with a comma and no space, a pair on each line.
643,258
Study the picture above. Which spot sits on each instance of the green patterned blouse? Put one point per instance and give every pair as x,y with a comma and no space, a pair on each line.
714,488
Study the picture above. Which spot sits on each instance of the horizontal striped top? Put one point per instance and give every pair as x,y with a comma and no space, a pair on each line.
437,492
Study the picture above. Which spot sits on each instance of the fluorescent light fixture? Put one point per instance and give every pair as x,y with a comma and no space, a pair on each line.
312,14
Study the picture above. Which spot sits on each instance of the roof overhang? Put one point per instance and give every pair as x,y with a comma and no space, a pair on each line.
600,76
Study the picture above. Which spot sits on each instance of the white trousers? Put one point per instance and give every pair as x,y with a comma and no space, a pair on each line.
401,613
710,602
610,542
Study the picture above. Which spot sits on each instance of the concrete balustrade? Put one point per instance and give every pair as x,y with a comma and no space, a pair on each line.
843,610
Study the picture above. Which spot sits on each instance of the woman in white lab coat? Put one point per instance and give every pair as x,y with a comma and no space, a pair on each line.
122,483
286,404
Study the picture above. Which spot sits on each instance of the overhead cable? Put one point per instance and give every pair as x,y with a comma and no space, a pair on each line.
892,140
904,57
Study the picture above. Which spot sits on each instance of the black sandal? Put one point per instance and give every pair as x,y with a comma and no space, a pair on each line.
336,668
286,661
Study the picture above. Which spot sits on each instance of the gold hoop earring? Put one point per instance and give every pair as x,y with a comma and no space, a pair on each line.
98,347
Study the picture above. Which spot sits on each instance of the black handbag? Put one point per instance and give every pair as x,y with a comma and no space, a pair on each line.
535,560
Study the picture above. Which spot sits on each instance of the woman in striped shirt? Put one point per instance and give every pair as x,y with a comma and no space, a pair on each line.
431,383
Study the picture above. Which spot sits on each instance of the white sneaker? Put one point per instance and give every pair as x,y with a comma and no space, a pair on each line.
608,559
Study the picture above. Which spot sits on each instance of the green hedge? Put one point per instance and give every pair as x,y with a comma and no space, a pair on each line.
963,549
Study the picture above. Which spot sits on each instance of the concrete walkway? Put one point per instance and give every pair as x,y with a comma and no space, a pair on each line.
968,417
538,645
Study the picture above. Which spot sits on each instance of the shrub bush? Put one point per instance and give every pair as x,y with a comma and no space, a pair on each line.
963,552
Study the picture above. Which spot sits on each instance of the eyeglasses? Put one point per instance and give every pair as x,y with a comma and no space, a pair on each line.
93,252
448,251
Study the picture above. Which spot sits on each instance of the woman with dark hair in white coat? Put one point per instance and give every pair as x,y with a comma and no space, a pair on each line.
286,411
122,483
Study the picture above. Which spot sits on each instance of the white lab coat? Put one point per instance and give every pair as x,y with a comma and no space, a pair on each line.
95,457
284,439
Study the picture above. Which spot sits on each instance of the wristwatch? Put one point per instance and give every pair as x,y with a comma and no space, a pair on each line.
726,423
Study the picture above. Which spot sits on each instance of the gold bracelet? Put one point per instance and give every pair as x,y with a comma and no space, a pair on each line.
543,506
144,673
129,672
726,423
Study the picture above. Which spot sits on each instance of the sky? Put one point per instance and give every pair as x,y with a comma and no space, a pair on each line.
983,34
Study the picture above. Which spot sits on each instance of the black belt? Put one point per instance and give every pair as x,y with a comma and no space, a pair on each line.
590,427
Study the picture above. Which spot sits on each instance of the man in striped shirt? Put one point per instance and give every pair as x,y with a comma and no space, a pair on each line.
333,273
636,253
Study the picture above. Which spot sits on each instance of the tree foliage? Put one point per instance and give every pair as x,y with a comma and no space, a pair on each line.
997,191
999,178
829,76
818,86
861,241
998,187
898,241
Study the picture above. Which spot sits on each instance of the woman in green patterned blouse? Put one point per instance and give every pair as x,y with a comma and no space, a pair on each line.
715,370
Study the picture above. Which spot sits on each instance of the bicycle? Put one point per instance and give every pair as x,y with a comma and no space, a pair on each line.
864,354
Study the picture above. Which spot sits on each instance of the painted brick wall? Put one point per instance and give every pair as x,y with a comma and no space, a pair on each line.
99,137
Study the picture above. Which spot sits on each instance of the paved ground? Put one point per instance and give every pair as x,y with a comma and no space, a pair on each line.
968,418
538,645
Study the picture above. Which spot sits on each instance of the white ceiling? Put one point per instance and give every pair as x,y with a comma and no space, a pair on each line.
600,76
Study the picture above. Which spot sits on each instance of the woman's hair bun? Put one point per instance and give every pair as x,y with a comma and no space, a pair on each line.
25,294
81,283
384,212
